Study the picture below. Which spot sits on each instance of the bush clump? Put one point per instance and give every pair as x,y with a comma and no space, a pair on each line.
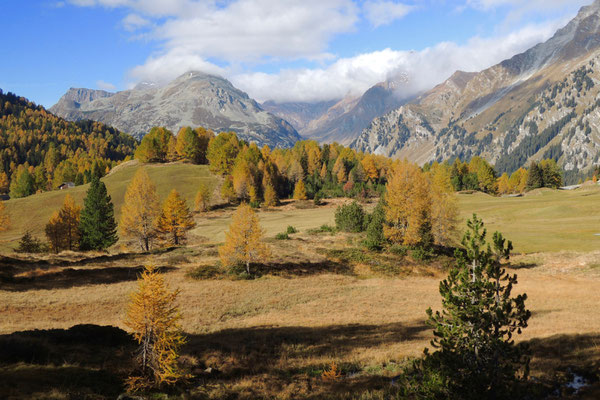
350,217
282,236
291,230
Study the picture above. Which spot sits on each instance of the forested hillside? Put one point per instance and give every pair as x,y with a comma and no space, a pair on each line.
39,151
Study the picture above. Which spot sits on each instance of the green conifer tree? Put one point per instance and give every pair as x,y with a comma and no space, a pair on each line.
535,177
97,224
477,357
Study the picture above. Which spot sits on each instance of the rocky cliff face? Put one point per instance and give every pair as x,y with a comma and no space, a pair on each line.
537,104
194,99
341,121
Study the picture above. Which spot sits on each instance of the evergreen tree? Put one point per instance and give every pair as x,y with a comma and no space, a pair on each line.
97,224
375,237
29,244
551,174
175,219
535,177
140,210
476,356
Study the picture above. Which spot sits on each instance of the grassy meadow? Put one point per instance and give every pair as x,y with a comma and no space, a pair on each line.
320,298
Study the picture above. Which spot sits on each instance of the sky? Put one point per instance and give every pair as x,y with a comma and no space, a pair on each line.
281,50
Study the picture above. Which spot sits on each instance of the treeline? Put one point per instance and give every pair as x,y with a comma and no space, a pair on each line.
306,171
39,151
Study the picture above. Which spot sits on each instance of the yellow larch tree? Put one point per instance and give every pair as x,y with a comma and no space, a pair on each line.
140,210
368,164
69,218
270,196
503,184
54,233
408,204
300,191
4,184
203,198
154,320
227,190
175,219
444,207
244,241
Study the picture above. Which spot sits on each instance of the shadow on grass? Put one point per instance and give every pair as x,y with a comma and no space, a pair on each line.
245,352
84,361
302,268
62,278
90,361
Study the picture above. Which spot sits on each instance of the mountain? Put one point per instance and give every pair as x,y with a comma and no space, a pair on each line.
194,99
53,149
541,103
341,121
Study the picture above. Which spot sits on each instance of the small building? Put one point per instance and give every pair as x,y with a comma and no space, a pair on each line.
66,185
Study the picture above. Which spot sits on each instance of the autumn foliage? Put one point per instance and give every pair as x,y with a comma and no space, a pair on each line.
140,210
154,320
62,230
244,240
175,219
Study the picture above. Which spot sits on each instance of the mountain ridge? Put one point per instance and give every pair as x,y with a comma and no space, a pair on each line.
194,99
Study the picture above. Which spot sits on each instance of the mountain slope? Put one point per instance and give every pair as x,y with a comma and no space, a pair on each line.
194,99
492,113
344,120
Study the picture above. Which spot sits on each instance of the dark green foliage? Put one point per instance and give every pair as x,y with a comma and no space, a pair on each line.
375,238
323,229
97,223
30,244
421,253
476,357
290,230
535,178
282,236
350,217
318,198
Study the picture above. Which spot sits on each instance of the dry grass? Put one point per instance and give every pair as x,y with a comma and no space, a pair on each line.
278,333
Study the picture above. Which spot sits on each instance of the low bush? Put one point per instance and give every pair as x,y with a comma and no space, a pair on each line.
290,230
350,217
282,236
323,229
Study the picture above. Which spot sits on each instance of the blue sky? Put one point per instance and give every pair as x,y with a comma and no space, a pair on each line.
285,50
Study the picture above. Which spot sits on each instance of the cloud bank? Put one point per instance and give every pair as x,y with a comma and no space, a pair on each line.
221,36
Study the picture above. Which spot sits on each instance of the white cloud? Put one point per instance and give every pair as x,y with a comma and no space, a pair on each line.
424,68
105,85
380,12
133,22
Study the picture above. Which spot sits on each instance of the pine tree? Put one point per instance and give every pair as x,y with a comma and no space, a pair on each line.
300,191
476,355
29,244
97,224
140,210
175,219
375,237
154,319
203,198
535,178
244,240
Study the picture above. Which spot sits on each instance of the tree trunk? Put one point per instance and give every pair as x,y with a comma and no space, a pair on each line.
248,267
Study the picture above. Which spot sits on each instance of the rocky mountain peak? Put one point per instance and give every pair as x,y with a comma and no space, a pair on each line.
193,99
